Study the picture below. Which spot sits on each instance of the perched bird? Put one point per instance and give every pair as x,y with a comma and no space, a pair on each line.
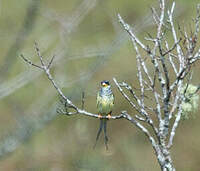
105,103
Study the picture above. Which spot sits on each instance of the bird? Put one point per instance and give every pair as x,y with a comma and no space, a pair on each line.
105,104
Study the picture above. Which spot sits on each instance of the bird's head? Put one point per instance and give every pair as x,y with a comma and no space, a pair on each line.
105,83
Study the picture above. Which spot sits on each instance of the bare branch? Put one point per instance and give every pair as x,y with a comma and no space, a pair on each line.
140,111
197,22
154,61
68,102
179,51
49,65
172,48
126,97
140,118
39,54
47,72
172,134
170,58
155,15
196,57
129,88
178,117
128,29
29,62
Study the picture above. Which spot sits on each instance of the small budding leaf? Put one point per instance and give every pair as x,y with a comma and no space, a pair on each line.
191,101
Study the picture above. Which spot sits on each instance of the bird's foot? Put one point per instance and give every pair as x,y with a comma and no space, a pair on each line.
109,116
99,116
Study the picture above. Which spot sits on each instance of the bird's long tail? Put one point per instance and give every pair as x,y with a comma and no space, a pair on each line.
103,125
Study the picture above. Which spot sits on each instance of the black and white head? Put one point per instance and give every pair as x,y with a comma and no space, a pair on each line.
105,88
105,83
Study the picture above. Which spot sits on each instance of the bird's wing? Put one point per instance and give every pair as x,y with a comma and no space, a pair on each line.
98,101
113,96
112,102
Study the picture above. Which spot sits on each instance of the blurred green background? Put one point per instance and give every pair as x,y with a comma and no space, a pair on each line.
90,45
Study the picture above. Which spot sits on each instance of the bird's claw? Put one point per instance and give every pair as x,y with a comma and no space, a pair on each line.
99,116
109,116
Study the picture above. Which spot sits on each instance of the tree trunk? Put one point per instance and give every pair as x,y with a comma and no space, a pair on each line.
165,161
168,166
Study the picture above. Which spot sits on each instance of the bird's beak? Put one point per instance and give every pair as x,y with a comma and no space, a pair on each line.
104,85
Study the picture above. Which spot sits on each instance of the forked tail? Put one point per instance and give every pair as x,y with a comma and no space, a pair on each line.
103,125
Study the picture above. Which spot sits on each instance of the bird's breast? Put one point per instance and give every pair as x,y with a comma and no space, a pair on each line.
105,104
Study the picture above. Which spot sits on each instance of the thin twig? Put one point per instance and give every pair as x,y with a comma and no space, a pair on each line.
29,62
50,62
83,100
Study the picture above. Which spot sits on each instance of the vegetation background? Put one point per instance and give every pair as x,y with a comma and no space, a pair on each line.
90,45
